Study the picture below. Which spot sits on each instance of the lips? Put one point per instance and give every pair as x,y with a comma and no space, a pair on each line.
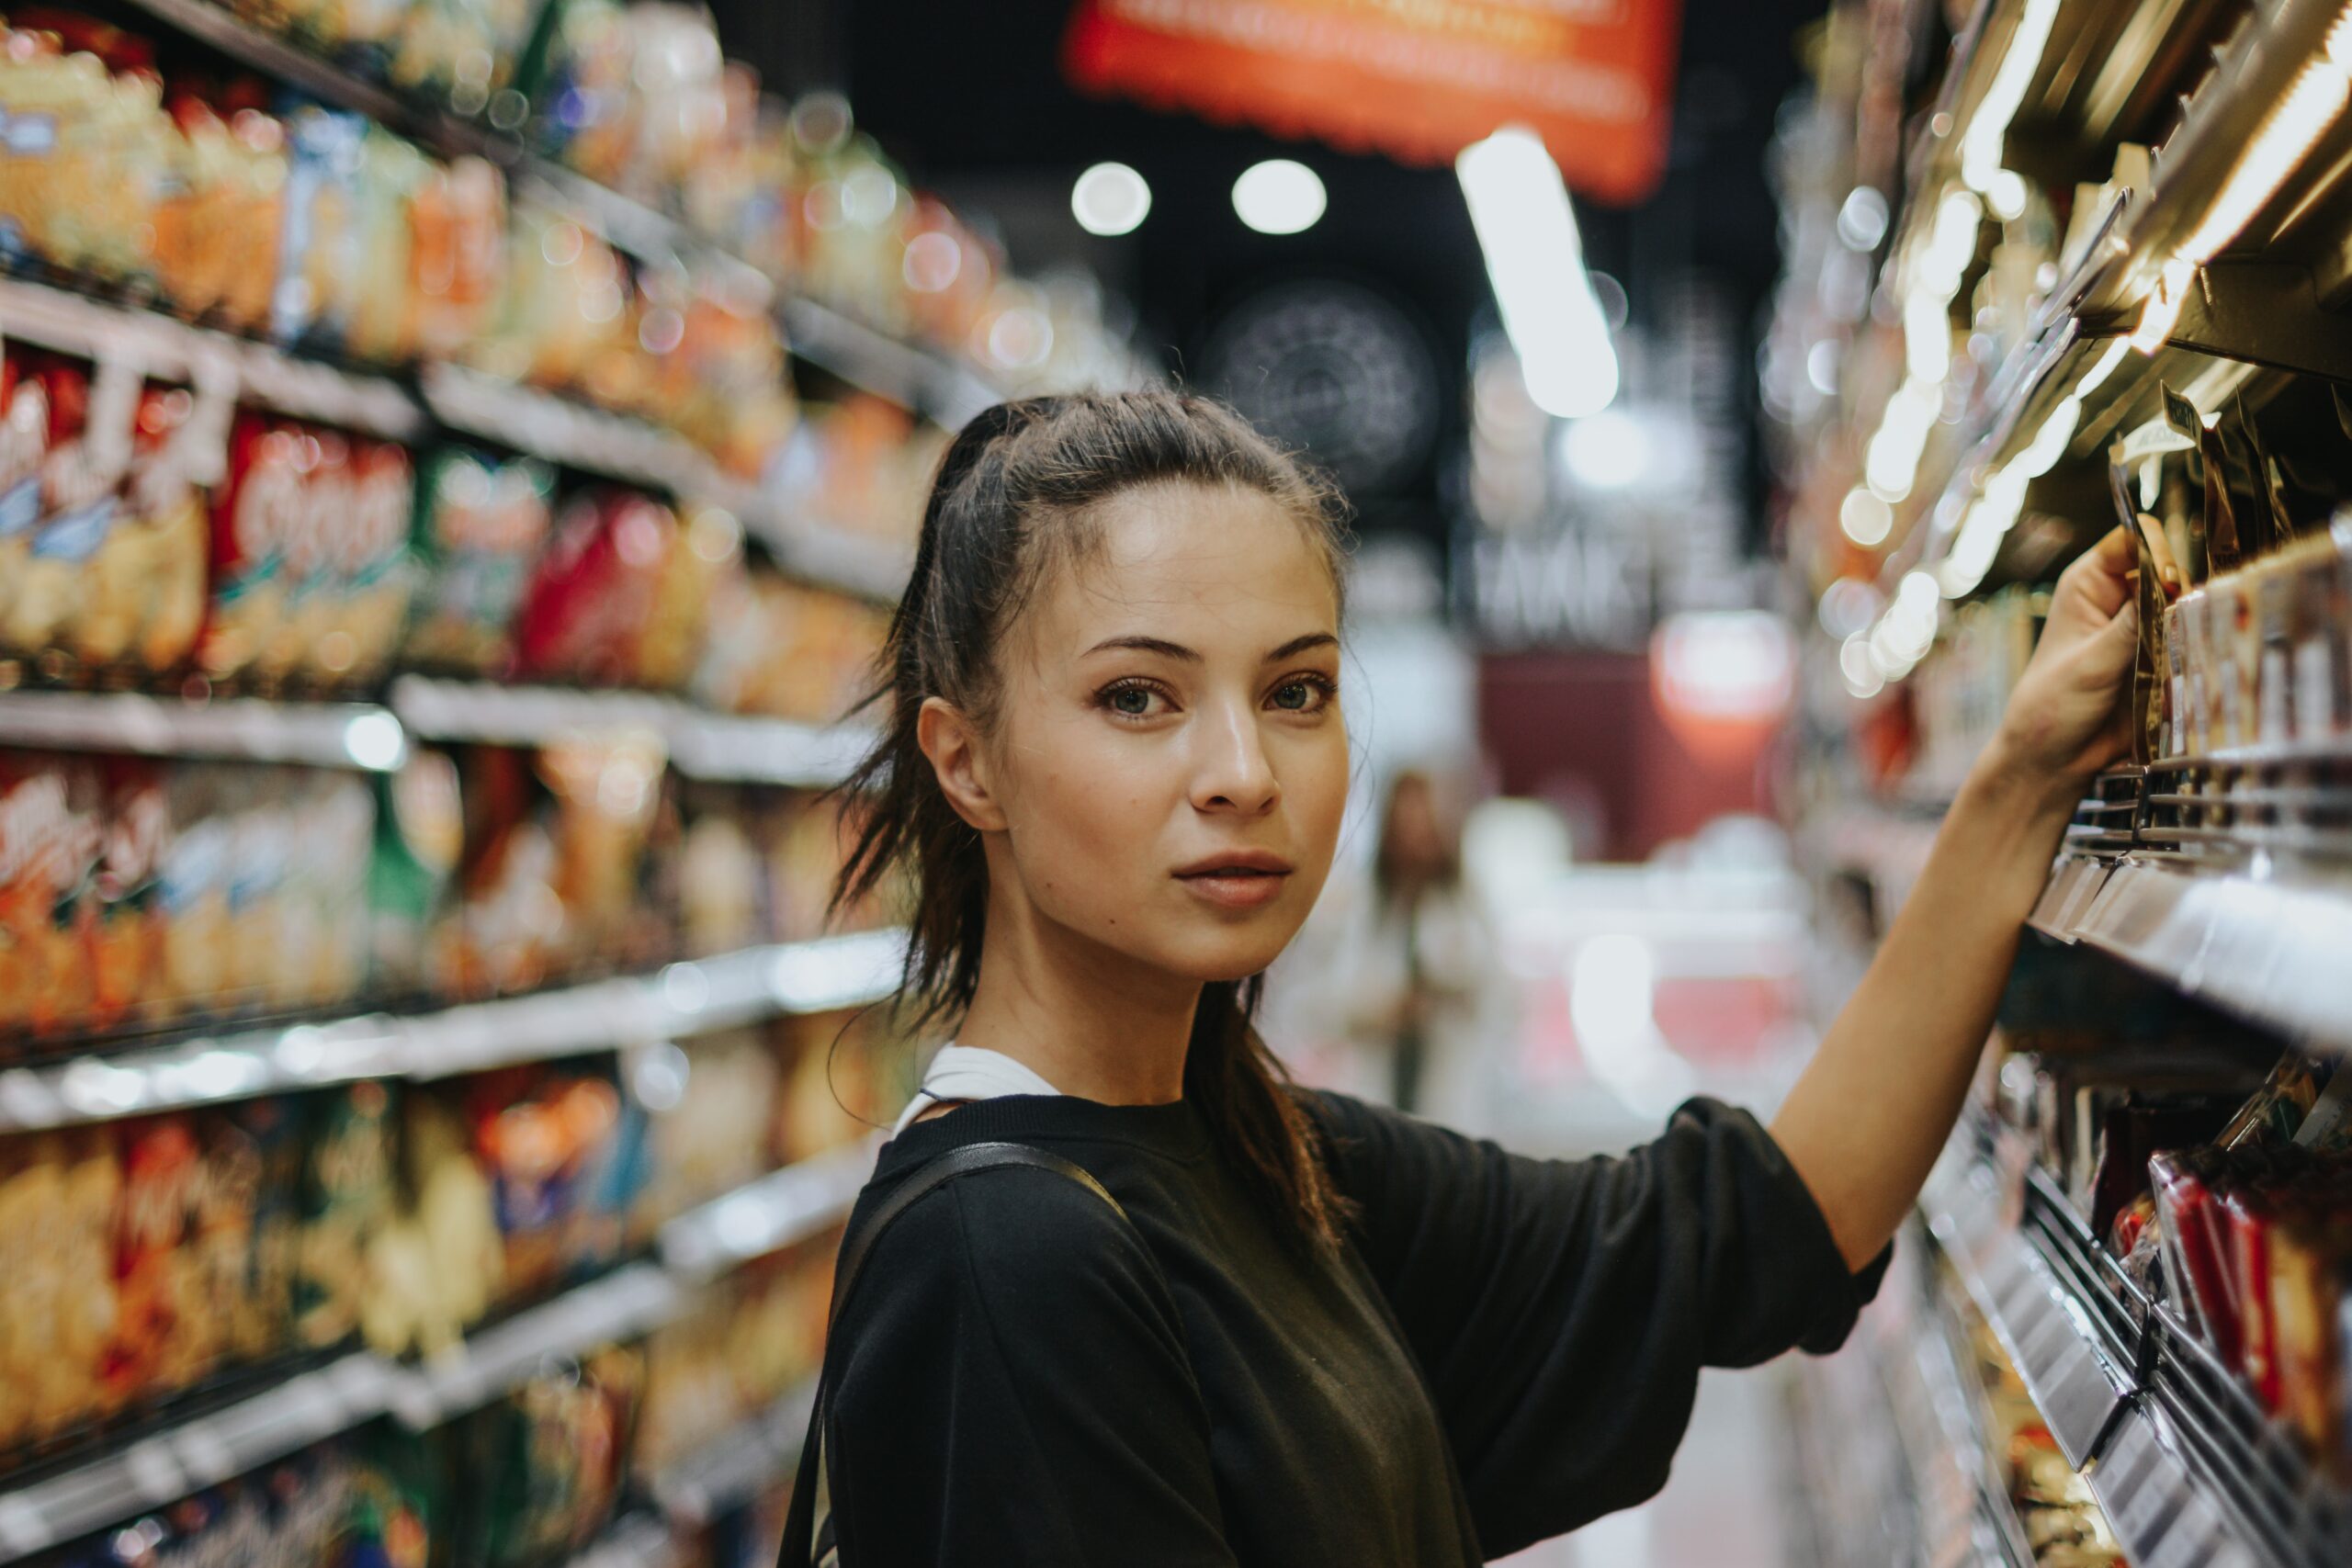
1239,879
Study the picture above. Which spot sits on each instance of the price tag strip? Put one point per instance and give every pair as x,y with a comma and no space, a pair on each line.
773,1212
199,1452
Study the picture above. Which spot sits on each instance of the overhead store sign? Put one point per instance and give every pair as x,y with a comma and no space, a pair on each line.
1419,80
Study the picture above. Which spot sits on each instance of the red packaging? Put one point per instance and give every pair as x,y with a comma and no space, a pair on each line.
2197,1256
597,589
256,514
50,842
125,947
2247,1213
158,1340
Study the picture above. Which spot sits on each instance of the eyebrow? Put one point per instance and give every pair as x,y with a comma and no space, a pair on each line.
1177,651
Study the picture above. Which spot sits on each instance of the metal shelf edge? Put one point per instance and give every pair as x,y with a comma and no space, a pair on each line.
690,996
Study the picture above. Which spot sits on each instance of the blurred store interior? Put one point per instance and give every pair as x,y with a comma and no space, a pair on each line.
457,458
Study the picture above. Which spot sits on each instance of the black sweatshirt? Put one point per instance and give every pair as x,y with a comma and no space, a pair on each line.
1506,1348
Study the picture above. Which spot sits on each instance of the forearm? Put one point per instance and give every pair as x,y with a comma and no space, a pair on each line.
1865,1121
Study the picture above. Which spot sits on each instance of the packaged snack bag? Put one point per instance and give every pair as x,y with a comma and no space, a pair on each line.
142,599
607,799
420,837
256,514
597,589
51,838
90,412
162,1339
375,574
322,251
193,890
262,919
537,1133
24,449
480,523
347,1196
126,945
277,1130
457,256
217,232
323,952
59,1195
315,553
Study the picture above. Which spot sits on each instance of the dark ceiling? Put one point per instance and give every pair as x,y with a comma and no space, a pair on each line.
970,99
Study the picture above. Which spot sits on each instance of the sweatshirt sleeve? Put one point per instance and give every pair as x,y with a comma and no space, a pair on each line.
1013,1389
1562,1310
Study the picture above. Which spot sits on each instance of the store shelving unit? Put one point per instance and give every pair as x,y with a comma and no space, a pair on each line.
914,377
2186,1466
361,736
2088,208
684,999
151,1466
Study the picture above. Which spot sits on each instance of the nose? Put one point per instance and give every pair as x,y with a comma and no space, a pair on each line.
1231,772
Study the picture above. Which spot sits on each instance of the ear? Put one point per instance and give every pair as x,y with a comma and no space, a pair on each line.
952,744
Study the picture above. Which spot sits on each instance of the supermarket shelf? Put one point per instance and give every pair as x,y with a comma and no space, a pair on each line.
574,434
2076,1380
327,735
739,1466
684,998
767,1215
160,1466
2186,1467
631,1302
169,348
912,377
716,747
313,74
2249,940
2258,312
201,1451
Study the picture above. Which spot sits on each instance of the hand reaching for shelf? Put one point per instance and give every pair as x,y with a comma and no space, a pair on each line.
2067,721
1865,1122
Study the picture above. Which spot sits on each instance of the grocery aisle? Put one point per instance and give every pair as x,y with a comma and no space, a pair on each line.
1728,1504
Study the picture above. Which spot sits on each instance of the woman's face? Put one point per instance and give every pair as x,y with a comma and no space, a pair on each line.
1168,759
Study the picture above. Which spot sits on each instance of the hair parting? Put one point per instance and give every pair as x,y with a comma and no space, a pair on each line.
1012,501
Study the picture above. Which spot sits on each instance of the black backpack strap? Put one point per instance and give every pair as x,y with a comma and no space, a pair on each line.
803,1544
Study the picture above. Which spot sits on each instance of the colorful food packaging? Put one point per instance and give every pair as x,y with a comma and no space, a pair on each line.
51,842
481,525
126,945
597,589
347,1196
59,1198
256,518
44,573
537,1135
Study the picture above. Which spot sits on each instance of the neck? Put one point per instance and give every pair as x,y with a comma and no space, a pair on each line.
1090,1022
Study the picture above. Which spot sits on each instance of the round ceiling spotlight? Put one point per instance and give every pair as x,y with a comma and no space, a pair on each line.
1279,196
1110,200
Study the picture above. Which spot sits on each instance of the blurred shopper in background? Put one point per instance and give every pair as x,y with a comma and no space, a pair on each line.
1410,982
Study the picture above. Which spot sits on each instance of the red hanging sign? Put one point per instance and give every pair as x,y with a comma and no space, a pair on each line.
1419,80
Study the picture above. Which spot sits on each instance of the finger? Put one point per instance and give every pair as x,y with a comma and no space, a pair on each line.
2099,575
2108,654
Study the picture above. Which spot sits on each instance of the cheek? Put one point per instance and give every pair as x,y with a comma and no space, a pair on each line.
1084,806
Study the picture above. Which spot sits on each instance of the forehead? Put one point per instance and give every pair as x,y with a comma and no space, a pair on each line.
1191,563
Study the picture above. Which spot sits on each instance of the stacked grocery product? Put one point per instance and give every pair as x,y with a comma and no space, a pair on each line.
161,1263
138,894
2025,308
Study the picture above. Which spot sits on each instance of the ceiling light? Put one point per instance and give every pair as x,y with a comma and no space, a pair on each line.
1279,196
1110,200
1535,260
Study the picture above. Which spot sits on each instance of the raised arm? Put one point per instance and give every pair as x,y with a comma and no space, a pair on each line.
1864,1123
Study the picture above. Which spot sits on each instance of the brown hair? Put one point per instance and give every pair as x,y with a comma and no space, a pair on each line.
1014,499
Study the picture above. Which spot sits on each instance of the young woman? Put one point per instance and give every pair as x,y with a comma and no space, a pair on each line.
1321,1335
